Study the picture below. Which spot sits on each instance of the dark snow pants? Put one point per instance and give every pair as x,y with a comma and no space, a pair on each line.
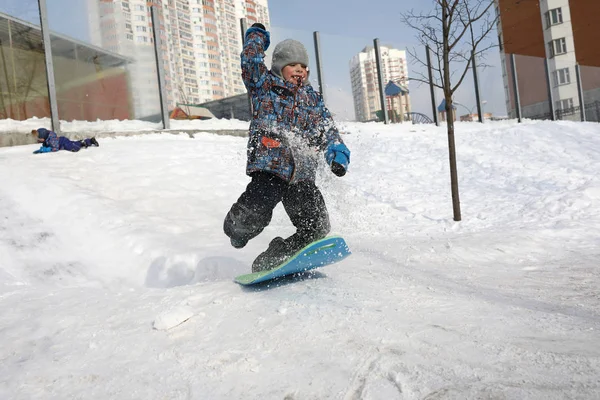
303,203
70,145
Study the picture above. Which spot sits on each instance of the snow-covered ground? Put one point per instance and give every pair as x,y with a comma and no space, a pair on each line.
11,125
116,278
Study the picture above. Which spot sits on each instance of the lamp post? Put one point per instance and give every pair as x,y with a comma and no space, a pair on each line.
483,103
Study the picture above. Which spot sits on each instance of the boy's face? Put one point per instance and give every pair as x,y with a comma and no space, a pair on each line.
295,73
35,133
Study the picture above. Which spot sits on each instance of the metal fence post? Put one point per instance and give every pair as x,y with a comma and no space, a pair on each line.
580,92
380,79
513,64
550,93
431,87
476,82
49,66
160,70
319,66
243,29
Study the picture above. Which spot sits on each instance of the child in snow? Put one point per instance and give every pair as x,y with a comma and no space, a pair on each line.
52,142
290,128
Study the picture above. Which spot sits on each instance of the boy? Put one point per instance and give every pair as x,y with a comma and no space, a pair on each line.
52,142
290,127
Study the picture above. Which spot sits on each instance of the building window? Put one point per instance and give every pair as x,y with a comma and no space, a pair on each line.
561,77
557,47
565,104
554,17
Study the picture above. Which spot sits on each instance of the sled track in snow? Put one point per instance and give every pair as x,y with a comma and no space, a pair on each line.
437,279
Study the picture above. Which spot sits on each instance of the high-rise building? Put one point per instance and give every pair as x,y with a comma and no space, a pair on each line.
201,47
365,83
564,33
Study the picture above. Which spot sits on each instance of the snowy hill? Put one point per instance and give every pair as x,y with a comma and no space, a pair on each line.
102,251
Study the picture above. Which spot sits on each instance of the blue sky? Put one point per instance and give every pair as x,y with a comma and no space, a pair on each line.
344,29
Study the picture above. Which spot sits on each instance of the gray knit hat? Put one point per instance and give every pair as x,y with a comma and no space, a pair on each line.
288,52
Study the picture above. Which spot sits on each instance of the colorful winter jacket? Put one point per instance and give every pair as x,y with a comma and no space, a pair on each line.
52,140
291,126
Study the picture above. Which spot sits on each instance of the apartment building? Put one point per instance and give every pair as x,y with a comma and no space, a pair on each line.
201,44
365,83
564,33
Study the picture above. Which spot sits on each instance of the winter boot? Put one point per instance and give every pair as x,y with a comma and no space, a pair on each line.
94,142
238,243
276,254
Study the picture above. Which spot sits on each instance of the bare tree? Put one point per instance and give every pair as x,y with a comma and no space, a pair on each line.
456,31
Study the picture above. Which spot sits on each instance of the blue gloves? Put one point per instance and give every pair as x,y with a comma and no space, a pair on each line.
338,157
43,149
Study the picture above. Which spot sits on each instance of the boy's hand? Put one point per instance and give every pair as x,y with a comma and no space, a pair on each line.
338,169
258,27
338,157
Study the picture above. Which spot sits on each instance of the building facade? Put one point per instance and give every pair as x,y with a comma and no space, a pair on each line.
561,31
201,45
365,82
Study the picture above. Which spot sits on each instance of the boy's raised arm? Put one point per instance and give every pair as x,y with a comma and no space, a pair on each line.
254,70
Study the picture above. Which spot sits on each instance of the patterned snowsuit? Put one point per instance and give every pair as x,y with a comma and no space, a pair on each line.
295,117
290,129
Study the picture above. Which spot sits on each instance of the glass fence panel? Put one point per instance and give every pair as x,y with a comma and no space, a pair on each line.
509,92
491,83
351,78
565,95
23,83
590,82
533,89
104,61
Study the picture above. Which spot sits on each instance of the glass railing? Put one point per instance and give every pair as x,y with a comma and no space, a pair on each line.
23,83
348,90
533,90
352,80
559,87
590,81
104,68
104,62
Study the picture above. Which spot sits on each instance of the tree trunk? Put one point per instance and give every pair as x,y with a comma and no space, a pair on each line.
449,110
452,154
